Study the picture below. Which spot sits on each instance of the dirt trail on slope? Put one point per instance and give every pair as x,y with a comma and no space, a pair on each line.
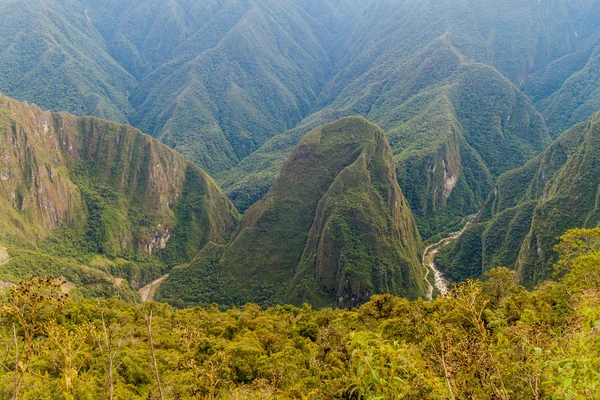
441,283
147,292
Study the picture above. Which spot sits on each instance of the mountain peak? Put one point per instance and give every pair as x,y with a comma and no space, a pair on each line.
333,229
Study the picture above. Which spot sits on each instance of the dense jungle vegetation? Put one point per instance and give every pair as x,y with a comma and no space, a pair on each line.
487,339
344,137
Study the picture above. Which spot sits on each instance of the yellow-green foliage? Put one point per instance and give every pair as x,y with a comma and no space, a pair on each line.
490,339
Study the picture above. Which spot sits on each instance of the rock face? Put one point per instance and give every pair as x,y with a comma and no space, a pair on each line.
333,230
530,208
122,190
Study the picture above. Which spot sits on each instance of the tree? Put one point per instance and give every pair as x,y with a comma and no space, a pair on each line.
31,305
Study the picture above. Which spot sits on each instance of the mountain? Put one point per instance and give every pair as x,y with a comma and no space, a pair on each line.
217,80
418,69
251,69
249,73
567,90
80,185
51,54
530,208
333,229
464,90
450,123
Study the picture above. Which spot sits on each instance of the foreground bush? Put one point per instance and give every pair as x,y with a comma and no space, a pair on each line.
489,339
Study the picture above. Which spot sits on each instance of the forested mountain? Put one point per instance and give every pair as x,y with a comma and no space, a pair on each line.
217,79
567,90
87,198
530,208
465,91
334,229
51,54
442,151
72,187
212,79
437,107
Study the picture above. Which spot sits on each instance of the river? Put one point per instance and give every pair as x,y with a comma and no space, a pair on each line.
147,292
440,282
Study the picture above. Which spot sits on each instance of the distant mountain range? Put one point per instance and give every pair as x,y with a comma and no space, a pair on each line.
278,100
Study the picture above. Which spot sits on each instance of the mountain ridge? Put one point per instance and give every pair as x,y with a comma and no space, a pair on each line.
530,208
81,185
335,210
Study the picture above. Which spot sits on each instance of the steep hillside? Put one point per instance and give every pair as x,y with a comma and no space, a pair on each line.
530,207
234,85
79,185
568,90
212,79
218,79
51,54
516,37
333,229
453,126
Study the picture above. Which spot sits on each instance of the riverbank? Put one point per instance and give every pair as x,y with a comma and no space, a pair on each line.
147,292
428,260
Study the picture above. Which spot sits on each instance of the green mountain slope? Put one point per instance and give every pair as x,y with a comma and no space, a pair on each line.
567,91
451,124
333,229
211,79
234,85
51,54
218,79
391,69
530,207
72,186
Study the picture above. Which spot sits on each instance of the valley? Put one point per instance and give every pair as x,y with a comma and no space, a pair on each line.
441,284
148,291
266,199
463,104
